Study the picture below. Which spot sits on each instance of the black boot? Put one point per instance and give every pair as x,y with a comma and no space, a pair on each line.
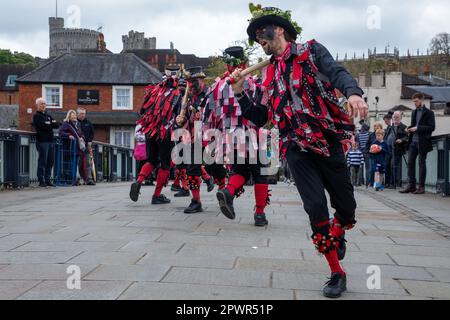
342,248
194,207
226,203
161,199
182,193
175,188
260,220
210,184
335,286
135,191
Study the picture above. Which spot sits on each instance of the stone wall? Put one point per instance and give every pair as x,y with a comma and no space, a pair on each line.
9,116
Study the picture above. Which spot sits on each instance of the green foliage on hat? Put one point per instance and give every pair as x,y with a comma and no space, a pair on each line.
258,11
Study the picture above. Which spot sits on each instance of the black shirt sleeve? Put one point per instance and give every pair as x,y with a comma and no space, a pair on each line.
256,113
338,76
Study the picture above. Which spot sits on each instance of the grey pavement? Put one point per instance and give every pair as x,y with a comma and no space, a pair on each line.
127,250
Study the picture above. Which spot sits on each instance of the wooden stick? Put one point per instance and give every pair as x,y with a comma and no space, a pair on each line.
250,70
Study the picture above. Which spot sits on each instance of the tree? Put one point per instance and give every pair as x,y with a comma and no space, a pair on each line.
440,44
7,57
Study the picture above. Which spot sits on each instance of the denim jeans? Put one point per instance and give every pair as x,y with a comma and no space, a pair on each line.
46,152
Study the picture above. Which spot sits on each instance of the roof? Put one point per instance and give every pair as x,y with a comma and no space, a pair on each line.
408,92
410,80
400,108
438,94
436,81
189,60
94,68
12,70
116,118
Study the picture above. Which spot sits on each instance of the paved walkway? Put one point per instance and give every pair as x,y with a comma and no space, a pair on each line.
129,250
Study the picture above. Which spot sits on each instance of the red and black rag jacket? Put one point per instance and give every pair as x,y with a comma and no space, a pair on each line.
162,103
299,99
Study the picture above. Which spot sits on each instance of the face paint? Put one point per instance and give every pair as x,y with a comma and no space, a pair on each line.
265,33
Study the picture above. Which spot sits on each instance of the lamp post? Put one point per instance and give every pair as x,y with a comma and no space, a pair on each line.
377,100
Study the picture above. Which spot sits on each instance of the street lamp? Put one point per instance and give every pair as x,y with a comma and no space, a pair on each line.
377,100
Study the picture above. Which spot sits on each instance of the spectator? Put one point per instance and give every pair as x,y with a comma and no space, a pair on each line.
361,139
88,131
71,133
397,139
422,126
388,119
378,150
370,141
45,144
355,160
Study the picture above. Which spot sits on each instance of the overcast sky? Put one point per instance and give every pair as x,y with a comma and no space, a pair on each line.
206,27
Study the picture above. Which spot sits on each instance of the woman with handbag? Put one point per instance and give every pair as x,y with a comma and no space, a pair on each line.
71,135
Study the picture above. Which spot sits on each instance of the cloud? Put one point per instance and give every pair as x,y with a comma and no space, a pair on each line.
204,27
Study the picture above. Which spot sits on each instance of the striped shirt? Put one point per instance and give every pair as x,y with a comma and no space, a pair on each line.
355,158
362,139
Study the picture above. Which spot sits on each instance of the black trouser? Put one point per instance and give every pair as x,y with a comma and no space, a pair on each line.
412,157
45,162
389,172
160,151
396,165
217,171
313,174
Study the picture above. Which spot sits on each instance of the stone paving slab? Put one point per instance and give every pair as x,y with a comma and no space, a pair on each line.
11,289
90,290
40,271
130,250
176,291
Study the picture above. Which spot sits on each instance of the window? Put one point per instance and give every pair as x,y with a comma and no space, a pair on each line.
122,98
53,94
11,81
122,137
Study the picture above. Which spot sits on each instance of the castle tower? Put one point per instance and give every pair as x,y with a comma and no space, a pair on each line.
137,40
65,40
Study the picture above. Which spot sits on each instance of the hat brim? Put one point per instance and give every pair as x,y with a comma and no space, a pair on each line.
270,20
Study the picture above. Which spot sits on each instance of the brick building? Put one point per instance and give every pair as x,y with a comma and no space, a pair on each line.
109,86
9,90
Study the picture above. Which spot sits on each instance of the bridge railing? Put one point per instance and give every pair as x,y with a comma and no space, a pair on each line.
438,170
19,160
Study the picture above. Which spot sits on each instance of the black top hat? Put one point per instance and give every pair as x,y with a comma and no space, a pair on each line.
235,52
271,16
195,72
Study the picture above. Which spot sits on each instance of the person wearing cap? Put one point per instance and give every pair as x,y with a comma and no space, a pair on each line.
223,112
299,99
162,103
195,171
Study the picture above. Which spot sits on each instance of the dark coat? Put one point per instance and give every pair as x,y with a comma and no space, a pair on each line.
400,149
88,130
44,124
425,128
71,129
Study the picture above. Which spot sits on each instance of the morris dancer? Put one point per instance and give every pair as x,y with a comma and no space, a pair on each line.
161,105
222,112
314,130
195,171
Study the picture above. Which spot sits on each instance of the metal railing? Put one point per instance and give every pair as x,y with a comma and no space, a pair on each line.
438,170
19,160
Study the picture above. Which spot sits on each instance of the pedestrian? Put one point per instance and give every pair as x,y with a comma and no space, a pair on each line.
44,124
361,138
397,140
423,124
355,161
314,130
372,138
71,134
85,165
379,150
